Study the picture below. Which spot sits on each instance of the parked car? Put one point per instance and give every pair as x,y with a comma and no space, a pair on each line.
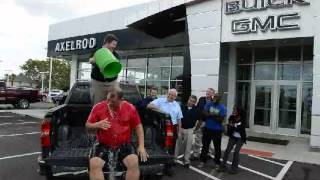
66,143
18,97
60,99
43,96
53,93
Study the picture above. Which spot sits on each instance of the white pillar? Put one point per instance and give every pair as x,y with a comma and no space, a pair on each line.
74,70
204,29
231,79
315,120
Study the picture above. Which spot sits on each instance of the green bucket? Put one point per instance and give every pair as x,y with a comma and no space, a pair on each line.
108,64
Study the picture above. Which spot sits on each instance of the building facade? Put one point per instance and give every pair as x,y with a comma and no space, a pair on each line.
262,55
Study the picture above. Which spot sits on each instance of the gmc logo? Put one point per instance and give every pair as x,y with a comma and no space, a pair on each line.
273,23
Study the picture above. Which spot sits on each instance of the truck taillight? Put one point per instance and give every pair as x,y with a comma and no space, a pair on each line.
169,135
45,133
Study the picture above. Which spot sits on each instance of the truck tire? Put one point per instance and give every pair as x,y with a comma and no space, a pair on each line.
44,98
23,104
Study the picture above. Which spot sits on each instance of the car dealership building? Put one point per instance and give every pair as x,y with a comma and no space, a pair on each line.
262,55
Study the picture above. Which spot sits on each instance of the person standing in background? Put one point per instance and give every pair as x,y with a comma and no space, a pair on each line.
191,114
199,127
237,137
214,113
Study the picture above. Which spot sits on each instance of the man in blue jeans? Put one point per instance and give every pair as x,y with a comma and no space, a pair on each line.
214,113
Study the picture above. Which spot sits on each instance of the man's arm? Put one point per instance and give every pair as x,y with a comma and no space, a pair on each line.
141,150
153,107
104,124
198,125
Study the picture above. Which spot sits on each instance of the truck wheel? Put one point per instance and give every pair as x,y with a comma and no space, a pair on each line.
23,104
44,99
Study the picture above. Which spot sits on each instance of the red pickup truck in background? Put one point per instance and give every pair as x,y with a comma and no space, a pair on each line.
18,97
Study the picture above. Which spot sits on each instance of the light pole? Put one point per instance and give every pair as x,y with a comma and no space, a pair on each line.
50,74
42,79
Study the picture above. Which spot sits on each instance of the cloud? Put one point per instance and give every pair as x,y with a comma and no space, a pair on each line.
54,9
25,25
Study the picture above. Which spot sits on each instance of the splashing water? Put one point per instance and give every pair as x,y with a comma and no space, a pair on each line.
112,163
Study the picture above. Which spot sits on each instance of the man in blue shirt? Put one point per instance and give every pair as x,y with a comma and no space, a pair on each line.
169,106
214,113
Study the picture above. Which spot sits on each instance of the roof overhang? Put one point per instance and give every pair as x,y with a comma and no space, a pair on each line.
163,24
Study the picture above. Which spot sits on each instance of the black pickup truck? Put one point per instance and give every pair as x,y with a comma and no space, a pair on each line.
66,144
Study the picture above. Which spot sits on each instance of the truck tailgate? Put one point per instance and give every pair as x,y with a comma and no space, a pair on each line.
79,157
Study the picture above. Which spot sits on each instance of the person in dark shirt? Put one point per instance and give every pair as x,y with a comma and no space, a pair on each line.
152,96
191,114
100,85
196,147
214,113
237,137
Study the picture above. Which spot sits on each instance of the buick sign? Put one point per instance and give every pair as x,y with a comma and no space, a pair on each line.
238,6
79,44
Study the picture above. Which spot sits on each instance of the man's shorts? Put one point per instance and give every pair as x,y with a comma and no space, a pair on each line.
118,154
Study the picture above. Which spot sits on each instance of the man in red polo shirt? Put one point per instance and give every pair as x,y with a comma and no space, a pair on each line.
114,120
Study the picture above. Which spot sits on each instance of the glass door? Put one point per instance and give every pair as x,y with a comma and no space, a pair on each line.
288,111
262,107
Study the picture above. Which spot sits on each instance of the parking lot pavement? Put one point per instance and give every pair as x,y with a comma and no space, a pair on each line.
20,146
38,105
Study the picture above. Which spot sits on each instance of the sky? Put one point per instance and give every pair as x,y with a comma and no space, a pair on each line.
25,24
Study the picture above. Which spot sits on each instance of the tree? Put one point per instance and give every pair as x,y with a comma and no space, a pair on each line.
60,72
11,78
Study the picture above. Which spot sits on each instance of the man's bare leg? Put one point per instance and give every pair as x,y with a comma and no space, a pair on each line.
132,164
96,165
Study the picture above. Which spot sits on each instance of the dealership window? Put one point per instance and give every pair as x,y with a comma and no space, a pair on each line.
163,71
84,70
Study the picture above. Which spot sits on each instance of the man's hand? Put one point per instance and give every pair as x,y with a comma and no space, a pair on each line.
142,153
92,60
104,124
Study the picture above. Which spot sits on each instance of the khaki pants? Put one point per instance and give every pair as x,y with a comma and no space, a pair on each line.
184,144
99,90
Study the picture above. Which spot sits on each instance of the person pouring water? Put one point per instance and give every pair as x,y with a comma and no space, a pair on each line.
100,83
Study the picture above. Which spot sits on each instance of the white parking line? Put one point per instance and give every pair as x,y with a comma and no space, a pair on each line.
70,173
267,160
11,135
284,170
200,172
27,123
19,155
255,172
6,116
2,124
250,170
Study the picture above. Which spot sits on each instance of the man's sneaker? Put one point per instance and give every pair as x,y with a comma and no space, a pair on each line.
186,165
200,165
